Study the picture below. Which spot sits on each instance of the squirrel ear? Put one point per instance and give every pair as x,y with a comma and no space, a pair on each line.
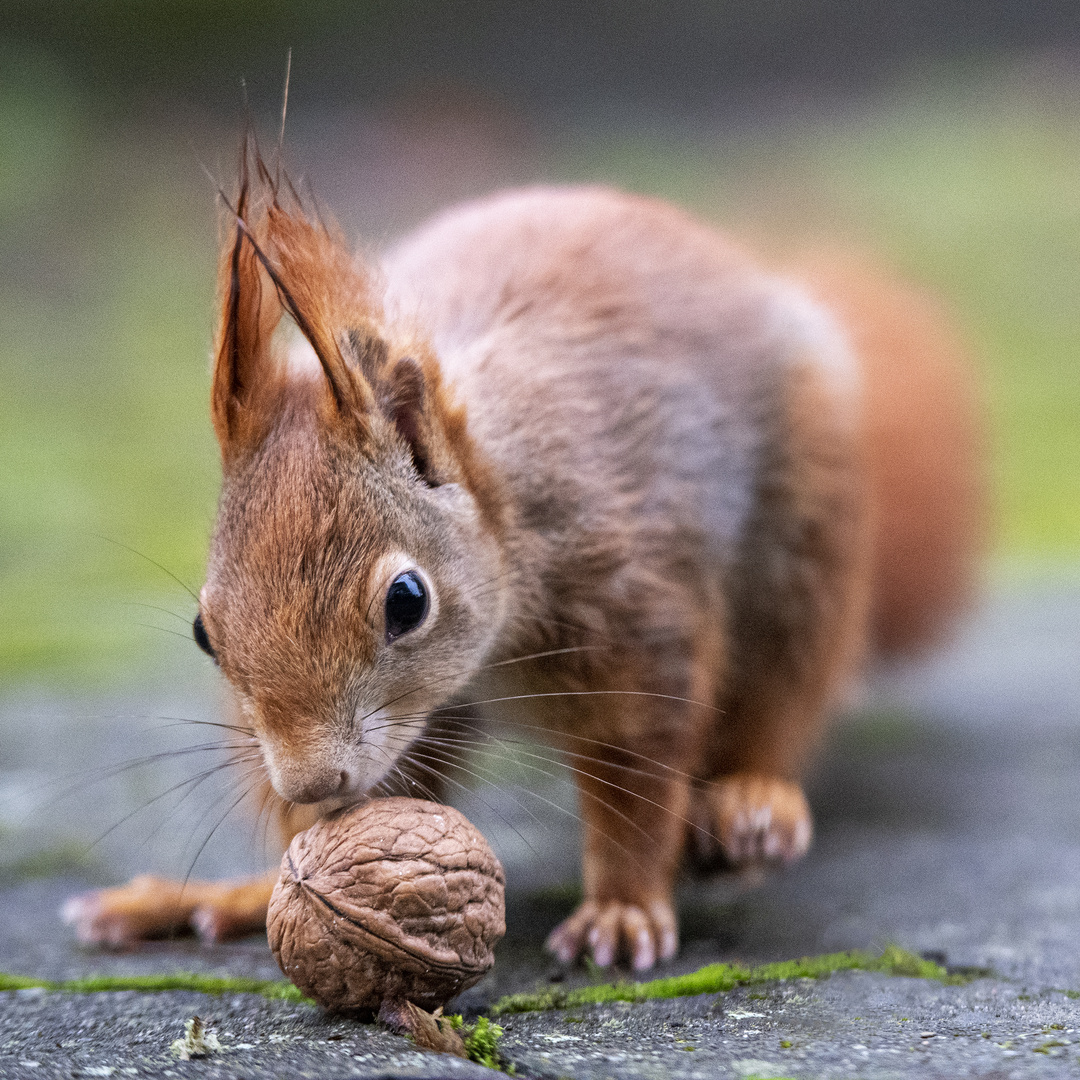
401,395
251,309
404,405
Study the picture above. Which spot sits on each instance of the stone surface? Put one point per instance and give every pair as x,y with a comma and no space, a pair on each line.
851,1025
128,1034
947,822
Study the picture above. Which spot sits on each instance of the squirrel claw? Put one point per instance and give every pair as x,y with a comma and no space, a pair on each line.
213,923
751,821
97,923
152,907
611,929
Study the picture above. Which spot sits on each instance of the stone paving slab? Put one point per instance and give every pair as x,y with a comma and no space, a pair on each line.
853,1024
129,1034
947,819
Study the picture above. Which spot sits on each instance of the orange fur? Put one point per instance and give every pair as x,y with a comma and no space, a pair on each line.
924,447
634,476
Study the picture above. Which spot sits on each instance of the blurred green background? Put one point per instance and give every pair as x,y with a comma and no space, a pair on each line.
945,138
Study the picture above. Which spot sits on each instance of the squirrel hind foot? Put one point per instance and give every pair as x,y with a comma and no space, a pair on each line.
746,821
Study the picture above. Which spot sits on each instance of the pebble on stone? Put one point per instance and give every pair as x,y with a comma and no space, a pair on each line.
397,899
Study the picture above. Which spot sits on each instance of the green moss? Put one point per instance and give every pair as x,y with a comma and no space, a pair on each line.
718,978
23,982
481,1040
1046,1047
482,1043
484,1035
275,989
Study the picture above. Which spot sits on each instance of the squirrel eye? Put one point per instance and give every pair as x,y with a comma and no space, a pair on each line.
198,631
406,604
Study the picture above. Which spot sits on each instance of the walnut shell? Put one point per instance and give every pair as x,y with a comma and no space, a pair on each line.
394,899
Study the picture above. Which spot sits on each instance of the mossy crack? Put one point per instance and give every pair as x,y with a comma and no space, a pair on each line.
216,985
711,979
718,978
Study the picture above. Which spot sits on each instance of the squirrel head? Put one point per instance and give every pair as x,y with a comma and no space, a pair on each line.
354,580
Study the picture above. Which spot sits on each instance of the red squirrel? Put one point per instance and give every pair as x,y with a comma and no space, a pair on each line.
574,447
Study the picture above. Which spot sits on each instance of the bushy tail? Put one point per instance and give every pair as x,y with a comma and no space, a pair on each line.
924,445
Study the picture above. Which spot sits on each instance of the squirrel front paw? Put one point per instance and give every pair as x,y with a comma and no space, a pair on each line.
611,929
152,907
146,907
747,820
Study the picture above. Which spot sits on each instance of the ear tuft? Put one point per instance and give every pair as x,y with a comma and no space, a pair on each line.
248,317
279,259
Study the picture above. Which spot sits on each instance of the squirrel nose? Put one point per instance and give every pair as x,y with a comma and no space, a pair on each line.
318,788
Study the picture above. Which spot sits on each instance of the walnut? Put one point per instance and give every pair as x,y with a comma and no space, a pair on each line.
397,899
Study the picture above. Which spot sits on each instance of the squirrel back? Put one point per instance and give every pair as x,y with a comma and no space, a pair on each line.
623,367
685,339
